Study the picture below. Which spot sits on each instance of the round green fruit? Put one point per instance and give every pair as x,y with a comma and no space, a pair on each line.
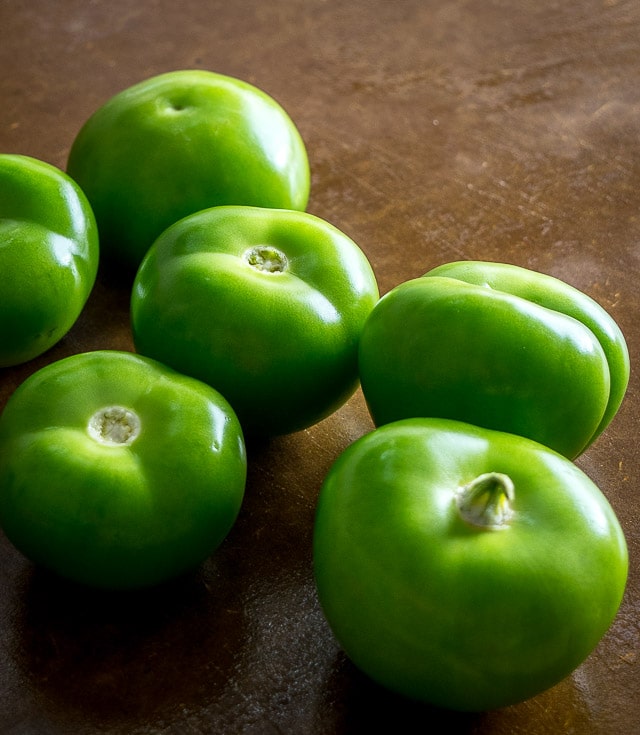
116,471
265,305
180,142
465,567
48,256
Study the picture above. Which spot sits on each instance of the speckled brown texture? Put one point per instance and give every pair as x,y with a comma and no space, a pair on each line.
436,130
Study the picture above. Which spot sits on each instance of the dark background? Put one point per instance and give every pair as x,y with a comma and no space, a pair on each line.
437,130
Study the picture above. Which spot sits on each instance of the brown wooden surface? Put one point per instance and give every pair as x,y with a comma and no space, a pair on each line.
437,129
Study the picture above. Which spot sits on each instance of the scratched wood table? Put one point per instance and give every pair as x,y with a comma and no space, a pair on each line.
436,130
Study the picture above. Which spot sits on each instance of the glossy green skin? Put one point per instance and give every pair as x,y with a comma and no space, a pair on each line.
280,346
180,142
559,296
450,613
498,346
48,256
114,515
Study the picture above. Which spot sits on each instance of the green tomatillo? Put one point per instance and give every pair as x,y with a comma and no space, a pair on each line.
117,472
463,567
179,142
48,256
265,305
499,346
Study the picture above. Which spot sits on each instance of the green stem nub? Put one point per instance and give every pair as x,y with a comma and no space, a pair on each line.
267,259
487,501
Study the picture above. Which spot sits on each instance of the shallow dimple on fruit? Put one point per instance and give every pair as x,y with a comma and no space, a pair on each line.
174,106
114,426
